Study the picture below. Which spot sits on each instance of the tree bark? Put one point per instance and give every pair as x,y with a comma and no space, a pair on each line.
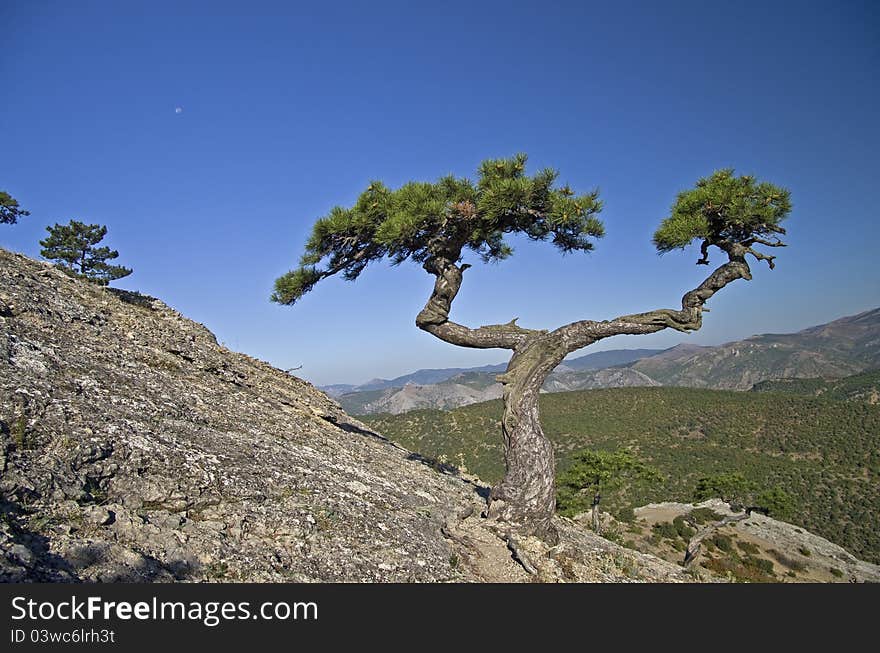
526,497
434,317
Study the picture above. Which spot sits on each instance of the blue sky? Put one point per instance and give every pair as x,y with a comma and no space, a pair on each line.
288,110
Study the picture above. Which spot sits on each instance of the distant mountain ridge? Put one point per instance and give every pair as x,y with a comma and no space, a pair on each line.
419,377
594,361
840,348
844,347
460,387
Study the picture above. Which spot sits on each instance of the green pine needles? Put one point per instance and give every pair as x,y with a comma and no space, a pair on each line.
10,211
735,489
595,471
72,247
723,210
421,221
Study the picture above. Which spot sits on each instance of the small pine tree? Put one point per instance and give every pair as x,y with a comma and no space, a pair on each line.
72,247
730,487
595,472
10,211
739,492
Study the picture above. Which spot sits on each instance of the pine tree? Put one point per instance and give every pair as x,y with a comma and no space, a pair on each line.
72,246
10,211
434,224
597,472
735,489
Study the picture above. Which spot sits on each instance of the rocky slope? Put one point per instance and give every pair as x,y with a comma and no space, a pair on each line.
757,549
133,447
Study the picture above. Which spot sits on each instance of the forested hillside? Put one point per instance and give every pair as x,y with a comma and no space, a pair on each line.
858,387
824,453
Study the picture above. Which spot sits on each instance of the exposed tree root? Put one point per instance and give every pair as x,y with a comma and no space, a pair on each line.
519,556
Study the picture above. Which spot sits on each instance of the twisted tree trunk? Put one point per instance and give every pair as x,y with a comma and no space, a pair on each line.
526,497
692,552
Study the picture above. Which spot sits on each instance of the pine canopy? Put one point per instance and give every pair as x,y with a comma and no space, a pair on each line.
10,211
724,209
422,221
72,247
598,470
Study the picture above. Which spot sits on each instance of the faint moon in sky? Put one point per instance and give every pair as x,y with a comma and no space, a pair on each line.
178,109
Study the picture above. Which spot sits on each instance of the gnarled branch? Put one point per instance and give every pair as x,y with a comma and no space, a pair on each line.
692,552
764,257
690,318
434,317
764,241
